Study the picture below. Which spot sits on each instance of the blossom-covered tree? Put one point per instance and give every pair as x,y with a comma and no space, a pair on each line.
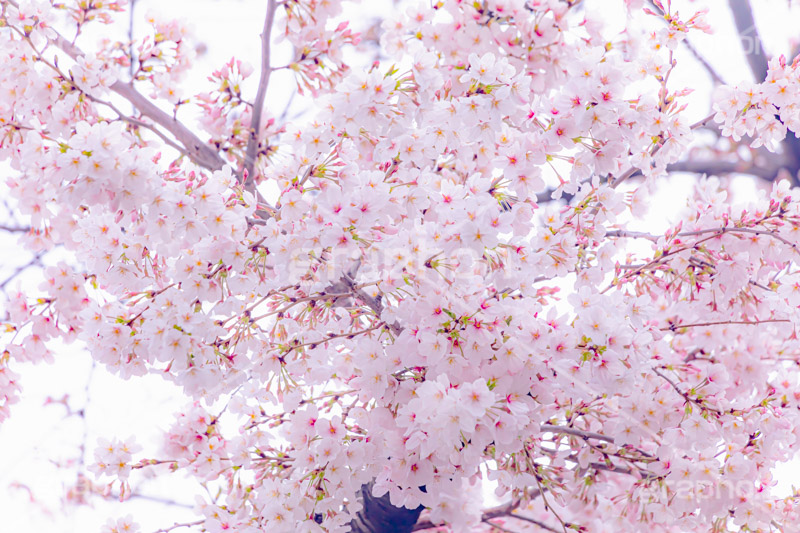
440,277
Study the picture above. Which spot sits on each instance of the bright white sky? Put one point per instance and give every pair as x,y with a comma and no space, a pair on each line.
40,444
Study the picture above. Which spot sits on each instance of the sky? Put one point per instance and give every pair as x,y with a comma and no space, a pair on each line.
40,445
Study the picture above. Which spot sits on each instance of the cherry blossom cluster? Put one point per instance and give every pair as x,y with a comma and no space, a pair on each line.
318,62
114,458
227,116
121,525
763,111
395,316
163,58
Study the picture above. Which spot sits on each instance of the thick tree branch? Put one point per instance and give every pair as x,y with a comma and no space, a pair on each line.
258,105
746,27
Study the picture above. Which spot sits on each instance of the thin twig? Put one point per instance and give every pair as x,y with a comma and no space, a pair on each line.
675,327
633,171
349,335
546,503
177,525
534,521
15,229
719,231
685,395
35,261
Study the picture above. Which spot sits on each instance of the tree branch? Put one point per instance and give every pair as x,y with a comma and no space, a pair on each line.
716,168
36,260
177,525
534,521
746,27
258,105
200,152
15,229
715,76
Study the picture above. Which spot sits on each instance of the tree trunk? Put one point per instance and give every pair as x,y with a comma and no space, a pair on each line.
378,515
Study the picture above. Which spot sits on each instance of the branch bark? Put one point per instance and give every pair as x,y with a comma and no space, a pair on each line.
742,13
258,105
36,260
378,515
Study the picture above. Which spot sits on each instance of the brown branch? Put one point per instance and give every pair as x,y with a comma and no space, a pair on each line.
330,337
139,124
258,105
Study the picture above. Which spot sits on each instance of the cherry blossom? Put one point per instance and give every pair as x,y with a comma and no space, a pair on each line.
437,281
